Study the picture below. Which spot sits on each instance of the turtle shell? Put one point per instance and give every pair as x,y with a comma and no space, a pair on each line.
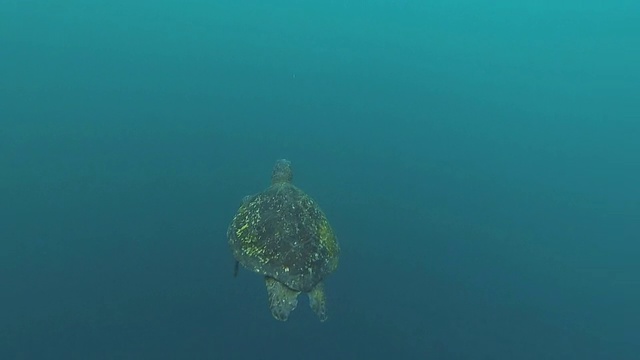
282,233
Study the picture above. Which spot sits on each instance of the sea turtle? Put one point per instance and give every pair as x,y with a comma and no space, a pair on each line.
283,234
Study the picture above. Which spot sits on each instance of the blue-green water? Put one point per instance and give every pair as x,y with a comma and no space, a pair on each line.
478,161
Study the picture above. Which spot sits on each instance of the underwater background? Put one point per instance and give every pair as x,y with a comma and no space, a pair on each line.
479,162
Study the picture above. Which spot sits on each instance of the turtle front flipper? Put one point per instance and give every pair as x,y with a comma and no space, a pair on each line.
318,301
282,300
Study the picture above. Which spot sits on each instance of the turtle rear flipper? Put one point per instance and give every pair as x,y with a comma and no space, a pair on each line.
318,301
282,300
235,268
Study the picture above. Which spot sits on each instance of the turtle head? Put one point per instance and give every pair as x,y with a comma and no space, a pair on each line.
282,172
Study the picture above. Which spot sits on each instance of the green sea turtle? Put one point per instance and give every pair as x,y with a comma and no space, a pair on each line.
283,234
